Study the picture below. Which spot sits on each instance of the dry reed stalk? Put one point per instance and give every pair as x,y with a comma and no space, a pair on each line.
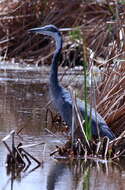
102,27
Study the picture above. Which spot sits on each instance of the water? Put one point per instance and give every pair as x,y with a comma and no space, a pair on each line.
23,99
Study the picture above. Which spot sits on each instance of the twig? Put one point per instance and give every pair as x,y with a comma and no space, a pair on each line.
81,126
55,151
98,147
39,163
117,156
30,145
116,141
8,136
106,147
62,141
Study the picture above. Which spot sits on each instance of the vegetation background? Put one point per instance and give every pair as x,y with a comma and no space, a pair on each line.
99,40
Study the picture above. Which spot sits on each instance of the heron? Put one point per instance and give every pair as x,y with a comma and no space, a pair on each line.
62,98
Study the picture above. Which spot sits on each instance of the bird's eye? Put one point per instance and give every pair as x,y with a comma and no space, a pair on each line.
51,29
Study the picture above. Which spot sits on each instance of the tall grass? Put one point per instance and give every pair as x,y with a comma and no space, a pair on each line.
76,37
87,124
102,26
88,118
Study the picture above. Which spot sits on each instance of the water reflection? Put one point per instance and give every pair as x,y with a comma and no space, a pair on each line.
59,177
71,176
23,96
81,175
22,105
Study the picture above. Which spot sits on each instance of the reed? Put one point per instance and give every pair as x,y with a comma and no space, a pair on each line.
102,26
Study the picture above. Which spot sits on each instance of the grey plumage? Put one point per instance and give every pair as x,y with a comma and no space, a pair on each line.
61,97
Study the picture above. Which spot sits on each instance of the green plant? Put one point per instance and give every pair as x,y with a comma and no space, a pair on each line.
75,35
87,124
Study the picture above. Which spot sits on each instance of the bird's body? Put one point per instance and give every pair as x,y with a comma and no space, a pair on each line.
62,97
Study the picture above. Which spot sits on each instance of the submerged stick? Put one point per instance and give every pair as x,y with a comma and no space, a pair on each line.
39,163
8,148
62,141
98,147
106,147
8,136
30,145
55,151
13,146
73,115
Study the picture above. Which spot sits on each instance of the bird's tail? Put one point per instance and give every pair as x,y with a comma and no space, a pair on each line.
106,131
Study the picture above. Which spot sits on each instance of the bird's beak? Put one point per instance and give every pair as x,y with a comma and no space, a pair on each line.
41,30
67,29
35,30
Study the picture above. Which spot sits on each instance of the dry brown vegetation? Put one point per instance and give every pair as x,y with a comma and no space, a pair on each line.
102,29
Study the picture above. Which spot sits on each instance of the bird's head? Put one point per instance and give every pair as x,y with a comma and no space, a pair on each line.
49,30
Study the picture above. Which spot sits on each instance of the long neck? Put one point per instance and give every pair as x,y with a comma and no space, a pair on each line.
54,83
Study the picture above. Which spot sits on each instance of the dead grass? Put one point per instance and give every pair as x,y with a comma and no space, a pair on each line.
111,98
103,31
